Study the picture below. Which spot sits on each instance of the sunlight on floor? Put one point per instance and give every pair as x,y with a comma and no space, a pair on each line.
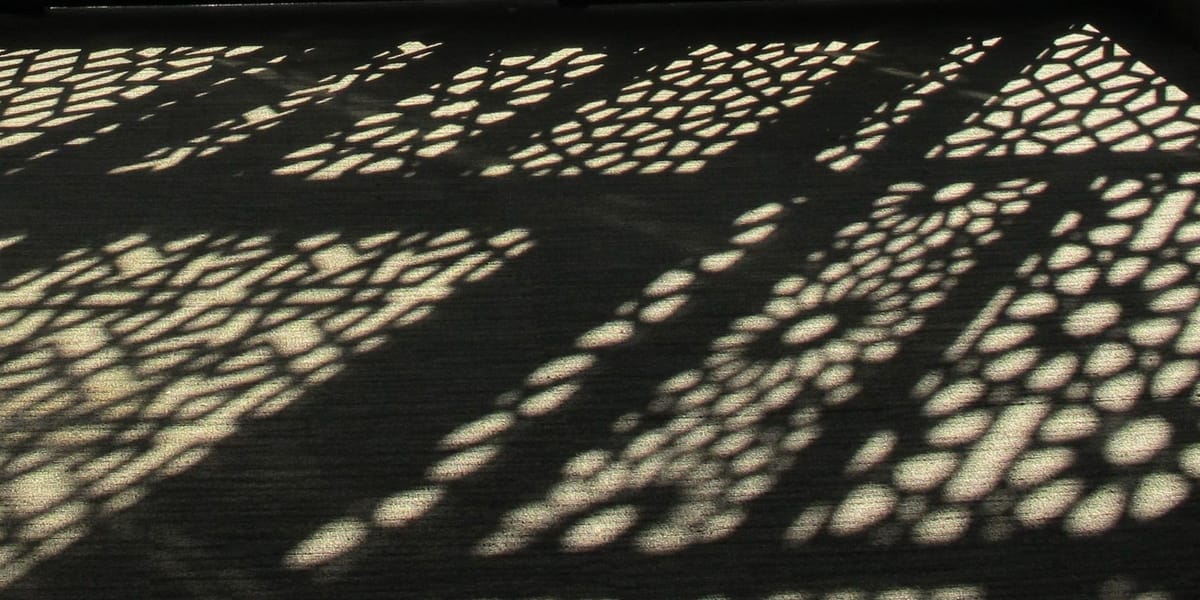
124,364
1085,92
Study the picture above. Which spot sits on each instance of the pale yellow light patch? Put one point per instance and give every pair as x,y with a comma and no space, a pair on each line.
1039,466
463,463
479,430
942,526
955,397
1092,318
669,283
981,323
326,544
874,451
989,459
606,335
1098,512
862,508
959,429
660,311
1157,494
401,509
1162,223
548,400
924,472
599,529
560,369
1138,441
809,329
1048,502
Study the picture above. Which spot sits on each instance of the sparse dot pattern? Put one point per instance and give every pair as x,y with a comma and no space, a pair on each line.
733,424
680,115
430,124
264,117
122,365
1085,92
1087,359
44,89
549,388
890,115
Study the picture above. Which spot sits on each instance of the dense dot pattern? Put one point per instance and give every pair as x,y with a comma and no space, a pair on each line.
267,116
427,125
44,89
1085,92
1087,359
680,115
124,364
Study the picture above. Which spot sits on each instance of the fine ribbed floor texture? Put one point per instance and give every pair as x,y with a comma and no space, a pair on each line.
644,301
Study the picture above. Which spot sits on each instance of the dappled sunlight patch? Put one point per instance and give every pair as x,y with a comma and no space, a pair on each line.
889,116
124,364
427,125
264,117
1051,378
743,416
680,115
44,89
472,446
1084,92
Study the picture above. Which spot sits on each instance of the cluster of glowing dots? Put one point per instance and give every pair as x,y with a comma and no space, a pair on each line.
430,124
1088,358
267,116
124,364
1085,92
680,115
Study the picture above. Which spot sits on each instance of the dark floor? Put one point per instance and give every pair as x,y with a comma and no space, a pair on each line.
703,301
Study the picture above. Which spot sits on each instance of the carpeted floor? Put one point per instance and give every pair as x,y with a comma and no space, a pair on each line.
672,301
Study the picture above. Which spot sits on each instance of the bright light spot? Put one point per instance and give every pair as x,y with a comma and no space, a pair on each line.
402,509
1157,494
1098,512
862,508
599,529
989,459
942,526
327,543
924,472
1138,441
479,431
560,369
809,329
1048,502
874,451
1092,318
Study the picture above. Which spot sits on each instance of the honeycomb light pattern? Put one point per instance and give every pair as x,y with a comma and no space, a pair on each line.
892,114
122,365
682,114
430,124
267,116
554,385
720,434
1085,92
44,89
1070,400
